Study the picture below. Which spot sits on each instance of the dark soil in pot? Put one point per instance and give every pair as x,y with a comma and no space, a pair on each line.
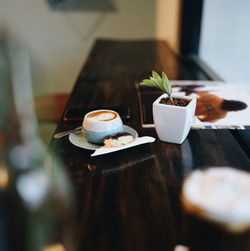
175,101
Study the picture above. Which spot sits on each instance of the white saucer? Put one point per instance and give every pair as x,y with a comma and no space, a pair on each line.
79,140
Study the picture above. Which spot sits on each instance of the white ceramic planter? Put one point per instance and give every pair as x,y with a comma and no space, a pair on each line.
173,123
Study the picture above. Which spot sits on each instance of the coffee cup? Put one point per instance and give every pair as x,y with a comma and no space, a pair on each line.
98,124
216,203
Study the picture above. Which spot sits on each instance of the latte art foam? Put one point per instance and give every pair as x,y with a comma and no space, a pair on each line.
221,195
102,116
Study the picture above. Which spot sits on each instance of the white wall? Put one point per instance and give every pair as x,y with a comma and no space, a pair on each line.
168,22
60,41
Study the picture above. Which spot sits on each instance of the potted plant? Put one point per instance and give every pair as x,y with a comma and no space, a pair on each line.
173,114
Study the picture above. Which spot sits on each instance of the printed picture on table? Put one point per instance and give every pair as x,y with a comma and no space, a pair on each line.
219,105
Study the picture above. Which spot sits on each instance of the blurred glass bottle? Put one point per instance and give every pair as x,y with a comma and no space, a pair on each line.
36,200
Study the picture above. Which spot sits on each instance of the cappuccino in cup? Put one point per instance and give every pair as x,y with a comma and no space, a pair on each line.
216,202
102,115
101,123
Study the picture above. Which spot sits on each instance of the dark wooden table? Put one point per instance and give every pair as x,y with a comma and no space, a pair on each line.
129,200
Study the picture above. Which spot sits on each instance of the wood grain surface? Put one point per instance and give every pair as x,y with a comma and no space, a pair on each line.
129,200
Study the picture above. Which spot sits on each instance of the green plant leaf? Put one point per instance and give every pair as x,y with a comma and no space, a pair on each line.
166,84
156,82
160,82
147,82
156,75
